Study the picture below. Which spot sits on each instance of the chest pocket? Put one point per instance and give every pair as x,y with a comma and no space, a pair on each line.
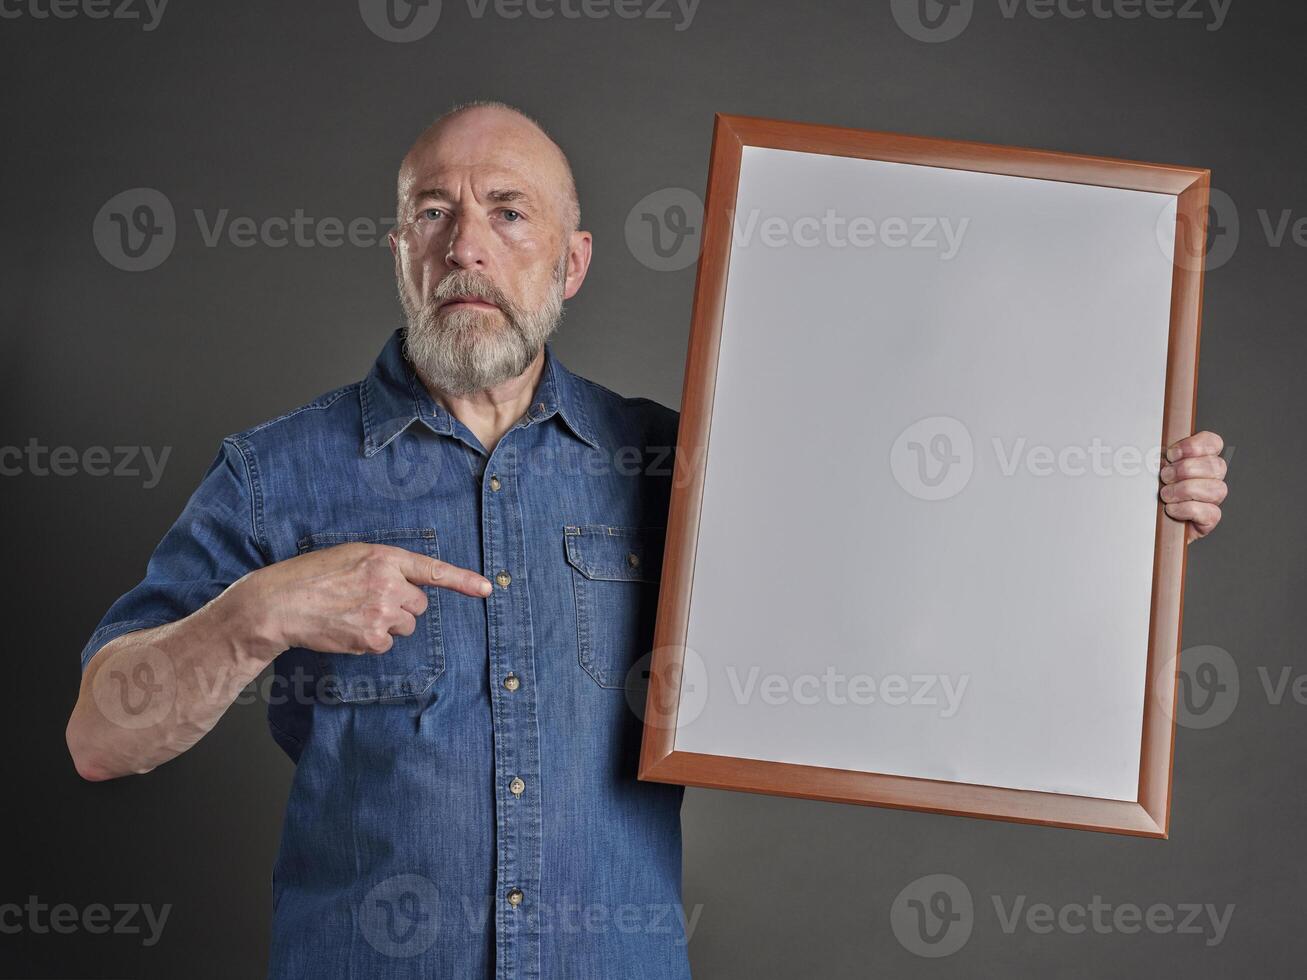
615,572
413,662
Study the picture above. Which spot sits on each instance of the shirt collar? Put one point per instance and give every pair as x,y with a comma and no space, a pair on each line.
393,398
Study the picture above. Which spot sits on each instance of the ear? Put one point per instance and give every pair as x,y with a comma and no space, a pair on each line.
578,262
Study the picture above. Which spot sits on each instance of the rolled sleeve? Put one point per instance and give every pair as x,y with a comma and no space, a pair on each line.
214,542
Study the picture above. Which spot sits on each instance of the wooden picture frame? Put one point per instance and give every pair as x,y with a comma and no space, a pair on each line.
1143,809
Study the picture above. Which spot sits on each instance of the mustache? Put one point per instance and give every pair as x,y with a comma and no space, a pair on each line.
470,285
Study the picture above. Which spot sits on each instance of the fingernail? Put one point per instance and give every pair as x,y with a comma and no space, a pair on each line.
1172,454
486,587
1167,474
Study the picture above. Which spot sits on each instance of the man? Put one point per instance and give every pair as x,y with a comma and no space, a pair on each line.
464,801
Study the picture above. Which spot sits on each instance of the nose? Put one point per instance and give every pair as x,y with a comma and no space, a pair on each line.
468,244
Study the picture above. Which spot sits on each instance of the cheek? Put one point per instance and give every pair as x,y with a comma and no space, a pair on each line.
535,257
418,256
413,245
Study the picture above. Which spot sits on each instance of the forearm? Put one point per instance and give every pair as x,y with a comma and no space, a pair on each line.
179,679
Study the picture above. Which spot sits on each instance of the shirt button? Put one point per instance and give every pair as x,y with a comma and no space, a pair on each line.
495,484
516,786
540,408
503,578
515,897
511,682
633,559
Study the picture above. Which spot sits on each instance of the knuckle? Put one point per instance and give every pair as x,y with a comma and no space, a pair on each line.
376,577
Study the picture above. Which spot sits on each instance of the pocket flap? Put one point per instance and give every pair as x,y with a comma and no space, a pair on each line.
621,554
395,536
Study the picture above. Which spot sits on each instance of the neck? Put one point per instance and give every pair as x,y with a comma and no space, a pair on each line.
491,412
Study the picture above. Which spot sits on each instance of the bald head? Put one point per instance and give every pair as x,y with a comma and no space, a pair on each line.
487,133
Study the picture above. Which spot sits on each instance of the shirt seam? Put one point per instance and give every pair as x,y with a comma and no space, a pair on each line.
322,402
255,486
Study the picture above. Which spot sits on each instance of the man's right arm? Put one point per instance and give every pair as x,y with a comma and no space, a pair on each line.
149,695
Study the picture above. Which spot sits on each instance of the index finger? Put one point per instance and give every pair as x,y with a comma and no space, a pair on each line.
425,570
1199,444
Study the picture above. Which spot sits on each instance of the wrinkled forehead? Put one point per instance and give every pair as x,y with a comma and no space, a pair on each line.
497,157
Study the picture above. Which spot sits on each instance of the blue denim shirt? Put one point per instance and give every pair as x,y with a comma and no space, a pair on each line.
466,804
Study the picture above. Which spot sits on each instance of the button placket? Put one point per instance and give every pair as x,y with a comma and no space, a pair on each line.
513,708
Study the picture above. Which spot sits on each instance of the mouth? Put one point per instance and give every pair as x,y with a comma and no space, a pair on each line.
467,302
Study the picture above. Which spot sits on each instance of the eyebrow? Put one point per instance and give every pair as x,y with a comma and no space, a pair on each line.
507,195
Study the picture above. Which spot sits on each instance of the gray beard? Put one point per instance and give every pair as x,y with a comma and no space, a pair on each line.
463,350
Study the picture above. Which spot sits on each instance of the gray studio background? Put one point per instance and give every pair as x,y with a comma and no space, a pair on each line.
265,109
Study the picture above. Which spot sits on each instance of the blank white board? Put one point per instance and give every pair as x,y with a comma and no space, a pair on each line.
929,497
